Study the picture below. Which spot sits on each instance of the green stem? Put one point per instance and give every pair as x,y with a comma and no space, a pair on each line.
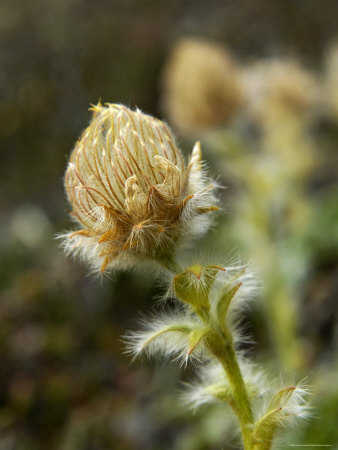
262,446
222,347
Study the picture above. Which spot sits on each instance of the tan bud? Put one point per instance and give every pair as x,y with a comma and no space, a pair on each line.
131,190
201,86
279,86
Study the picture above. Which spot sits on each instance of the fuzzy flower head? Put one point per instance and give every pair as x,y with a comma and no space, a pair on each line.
131,191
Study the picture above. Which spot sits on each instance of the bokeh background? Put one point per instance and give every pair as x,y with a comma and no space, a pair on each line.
64,380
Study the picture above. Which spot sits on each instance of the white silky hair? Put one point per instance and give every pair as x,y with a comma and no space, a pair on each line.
160,337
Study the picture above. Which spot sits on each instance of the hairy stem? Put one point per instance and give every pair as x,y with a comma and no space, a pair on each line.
222,347
220,343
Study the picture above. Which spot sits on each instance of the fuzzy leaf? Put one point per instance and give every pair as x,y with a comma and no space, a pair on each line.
195,337
265,428
225,300
194,283
281,397
220,391
209,275
275,417
185,329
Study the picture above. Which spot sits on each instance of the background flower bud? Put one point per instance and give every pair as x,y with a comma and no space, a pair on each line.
276,86
201,86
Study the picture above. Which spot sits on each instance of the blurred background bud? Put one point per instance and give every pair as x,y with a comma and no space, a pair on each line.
202,87
276,86
30,226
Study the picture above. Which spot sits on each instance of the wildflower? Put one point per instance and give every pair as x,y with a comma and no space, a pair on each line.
131,191
202,88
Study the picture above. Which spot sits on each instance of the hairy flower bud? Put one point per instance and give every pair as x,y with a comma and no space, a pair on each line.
131,190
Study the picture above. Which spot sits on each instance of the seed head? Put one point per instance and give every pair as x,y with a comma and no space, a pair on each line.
131,191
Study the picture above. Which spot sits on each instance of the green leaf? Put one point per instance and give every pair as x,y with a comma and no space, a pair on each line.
225,300
195,337
265,428
184,329
281,397
209,275
193,285
267,425
221,392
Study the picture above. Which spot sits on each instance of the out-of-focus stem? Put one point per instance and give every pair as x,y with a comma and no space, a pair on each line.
283,314
262,446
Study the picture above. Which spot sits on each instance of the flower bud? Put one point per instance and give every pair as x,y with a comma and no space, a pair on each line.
274,87
201,86
130,189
